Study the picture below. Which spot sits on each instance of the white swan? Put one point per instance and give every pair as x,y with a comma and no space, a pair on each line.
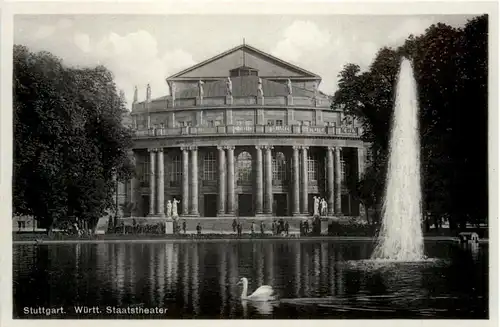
263,293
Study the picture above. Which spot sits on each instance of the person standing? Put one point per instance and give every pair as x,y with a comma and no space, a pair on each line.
239,228
262,228
252,228
198,229
235,224
287,226
273,227
184,226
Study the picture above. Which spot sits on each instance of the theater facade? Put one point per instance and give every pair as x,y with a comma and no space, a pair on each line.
243,134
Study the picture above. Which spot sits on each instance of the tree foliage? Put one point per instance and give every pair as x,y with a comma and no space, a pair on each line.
69,142
450,66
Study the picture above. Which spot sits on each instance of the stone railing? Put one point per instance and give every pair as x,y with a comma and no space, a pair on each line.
160,105
347,131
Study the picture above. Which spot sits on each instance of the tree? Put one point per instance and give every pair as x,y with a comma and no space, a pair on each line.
69,141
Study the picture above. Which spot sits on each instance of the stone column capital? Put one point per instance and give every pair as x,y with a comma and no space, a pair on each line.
296,147
330,148
184,148
338,148
220,147
268,147
159,149
229,147
304,147
152,150
259,147
193,148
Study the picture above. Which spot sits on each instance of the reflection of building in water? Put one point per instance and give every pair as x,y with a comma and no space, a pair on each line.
298,266
195,265
306,258
152,279
331,274
324,263
131,268
160,273
185,277
269,257
222,255
317,266
120,271
258,254
233,277
169,257
339,267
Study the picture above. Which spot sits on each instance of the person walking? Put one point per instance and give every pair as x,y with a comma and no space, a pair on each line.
184,226
198,229
287,226
262,228
235,225
239,228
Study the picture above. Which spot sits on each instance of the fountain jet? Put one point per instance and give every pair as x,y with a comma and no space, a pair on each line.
400,236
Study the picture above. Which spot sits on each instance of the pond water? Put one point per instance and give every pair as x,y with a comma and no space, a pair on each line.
198,279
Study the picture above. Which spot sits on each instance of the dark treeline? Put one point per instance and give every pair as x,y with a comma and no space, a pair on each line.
69,140
451,70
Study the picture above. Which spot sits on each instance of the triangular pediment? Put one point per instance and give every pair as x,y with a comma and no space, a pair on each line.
244,55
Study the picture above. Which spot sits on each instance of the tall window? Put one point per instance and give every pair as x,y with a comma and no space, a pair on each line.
209,166
145,165
312,167
343,169
279,167
244,165
176,170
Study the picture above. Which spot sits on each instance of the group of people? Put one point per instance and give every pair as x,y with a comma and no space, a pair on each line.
280,227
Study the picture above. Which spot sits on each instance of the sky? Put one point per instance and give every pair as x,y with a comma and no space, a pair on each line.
142,49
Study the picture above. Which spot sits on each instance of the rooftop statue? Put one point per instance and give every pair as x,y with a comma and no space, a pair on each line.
289,86
200,88
229,86
260,91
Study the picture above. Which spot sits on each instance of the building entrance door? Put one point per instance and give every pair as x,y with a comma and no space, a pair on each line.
144,209
245,205
280,204
210,205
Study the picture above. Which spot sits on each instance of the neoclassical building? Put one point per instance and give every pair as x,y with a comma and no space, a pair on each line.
243,134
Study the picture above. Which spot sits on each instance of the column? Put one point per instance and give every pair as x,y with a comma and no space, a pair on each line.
305,183
152,159
230,180
194,181
259,192
160,206
133,187
296,182
185,181
331,179
338,182
221,210
268,178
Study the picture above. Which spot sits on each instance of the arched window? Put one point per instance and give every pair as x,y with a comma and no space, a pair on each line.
145,165
209,166
312,167
176,170
244,165
279,167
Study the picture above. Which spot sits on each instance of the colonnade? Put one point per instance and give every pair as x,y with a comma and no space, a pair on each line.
263,191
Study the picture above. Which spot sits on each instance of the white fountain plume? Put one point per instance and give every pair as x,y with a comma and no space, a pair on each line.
400,236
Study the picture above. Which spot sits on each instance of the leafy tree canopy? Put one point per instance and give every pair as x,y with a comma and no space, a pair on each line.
69,141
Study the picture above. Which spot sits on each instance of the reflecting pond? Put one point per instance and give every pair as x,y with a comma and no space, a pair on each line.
198,279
